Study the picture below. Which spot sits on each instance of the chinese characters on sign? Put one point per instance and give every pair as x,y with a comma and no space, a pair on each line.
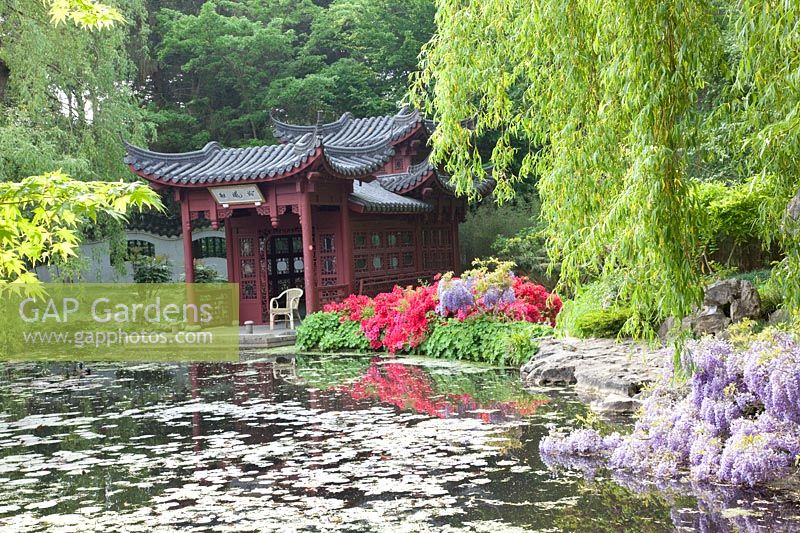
237,194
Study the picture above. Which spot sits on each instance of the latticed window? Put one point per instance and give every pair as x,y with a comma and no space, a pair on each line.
437,253
327,259
359,240
140,248
209,247
384,252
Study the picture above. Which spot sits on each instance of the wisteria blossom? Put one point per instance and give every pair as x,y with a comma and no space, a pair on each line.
737,420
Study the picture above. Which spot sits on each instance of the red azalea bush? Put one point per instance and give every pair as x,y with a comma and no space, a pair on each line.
352,308
401,319
533,303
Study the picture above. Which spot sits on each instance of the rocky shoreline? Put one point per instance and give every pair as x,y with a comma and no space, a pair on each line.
609,375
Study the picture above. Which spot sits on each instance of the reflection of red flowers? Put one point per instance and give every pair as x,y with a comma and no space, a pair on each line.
411,388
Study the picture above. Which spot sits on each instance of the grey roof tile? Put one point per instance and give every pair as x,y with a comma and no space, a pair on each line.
406,181
375,199
214,164
421,173
350,131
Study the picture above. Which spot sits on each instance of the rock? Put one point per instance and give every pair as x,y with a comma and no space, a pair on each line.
779,316
748,304
721,293
671,328
615,404
597,367
726,301
791,216
553,365
709,321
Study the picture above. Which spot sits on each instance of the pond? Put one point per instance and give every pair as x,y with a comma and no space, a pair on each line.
317,444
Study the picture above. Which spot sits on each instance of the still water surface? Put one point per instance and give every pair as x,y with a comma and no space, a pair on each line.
318,444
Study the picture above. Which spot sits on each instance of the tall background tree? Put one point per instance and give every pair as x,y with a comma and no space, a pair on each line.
66,94
77,75
54,117
623,108
216,68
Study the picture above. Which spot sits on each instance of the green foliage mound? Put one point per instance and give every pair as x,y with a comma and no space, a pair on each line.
602,322
596,311
152,269
481,338
484,340
326,332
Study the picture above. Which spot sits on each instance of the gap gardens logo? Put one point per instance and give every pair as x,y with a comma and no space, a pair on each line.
118,322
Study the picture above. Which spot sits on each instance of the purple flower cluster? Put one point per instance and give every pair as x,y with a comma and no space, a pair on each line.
454,297
736,421
458,296
495,296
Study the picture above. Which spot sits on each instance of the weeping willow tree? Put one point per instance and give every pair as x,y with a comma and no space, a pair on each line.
41,216
612,99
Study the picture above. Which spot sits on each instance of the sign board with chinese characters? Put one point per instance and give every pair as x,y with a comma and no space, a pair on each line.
237,194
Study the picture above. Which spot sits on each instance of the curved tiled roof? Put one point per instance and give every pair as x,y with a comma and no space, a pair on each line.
483,187
357,160
214,164
375,199
421,173
350,131
409,180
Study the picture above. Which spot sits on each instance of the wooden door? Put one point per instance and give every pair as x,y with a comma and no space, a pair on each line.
248,268
286,268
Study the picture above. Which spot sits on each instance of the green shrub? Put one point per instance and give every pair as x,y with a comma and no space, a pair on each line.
487,221
602,322
594,296
733,210
527,250
206,274
484,339
325,332
152,269
756,277
771,291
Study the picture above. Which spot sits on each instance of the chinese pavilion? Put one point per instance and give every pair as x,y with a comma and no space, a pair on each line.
352,206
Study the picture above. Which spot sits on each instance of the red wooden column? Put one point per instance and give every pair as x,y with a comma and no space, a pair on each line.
229,250
308,251
186,225
347,243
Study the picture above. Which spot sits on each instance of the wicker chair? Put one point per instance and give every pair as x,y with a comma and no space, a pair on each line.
292,306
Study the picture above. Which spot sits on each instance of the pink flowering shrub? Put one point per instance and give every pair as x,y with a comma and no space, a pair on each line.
352,308
402,319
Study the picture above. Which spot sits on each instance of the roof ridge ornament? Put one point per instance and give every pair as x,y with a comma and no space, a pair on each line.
318,126
306,144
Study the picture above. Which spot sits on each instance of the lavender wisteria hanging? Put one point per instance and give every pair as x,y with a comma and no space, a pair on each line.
736,420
